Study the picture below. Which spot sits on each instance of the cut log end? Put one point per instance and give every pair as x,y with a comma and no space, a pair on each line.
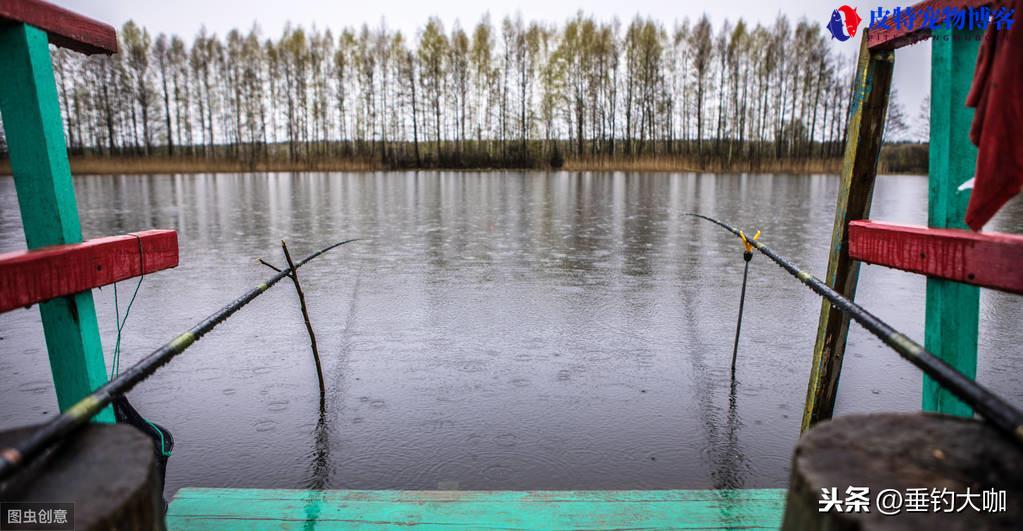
108,471
904,452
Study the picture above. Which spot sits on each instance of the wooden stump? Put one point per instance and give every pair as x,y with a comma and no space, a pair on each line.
109,472
904,452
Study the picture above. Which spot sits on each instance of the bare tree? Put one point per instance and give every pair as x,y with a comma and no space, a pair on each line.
514,95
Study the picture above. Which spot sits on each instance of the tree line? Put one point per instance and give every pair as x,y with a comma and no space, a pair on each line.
515,93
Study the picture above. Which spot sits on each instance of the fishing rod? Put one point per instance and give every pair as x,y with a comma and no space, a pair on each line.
1003,415
76,416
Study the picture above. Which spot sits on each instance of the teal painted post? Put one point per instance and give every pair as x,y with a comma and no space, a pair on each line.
952,308
49,212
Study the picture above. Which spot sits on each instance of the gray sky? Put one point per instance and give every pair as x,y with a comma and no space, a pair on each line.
185,17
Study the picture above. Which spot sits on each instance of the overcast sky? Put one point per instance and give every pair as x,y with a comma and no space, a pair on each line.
185,17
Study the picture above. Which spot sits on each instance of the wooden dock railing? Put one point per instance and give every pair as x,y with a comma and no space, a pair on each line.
46,195
952,288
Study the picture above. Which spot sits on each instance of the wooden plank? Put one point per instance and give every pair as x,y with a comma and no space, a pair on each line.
358,509
859,168
953,309
988,259
28,277
49,212
66,29
893,37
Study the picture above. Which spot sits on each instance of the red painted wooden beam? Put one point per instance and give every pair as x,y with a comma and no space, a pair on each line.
66,29
892,38
28,277
988,259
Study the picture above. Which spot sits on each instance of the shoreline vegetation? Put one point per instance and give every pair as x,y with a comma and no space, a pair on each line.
580,94
907,158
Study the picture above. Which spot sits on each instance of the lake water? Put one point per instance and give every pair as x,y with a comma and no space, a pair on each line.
496,330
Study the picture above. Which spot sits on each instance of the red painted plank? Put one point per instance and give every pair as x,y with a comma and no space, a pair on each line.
66,29
988,259
28,277
892,38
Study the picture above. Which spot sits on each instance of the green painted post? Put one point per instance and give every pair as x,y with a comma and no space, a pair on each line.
49,212
952,308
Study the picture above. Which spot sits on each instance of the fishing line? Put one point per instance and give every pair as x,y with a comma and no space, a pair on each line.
1003,415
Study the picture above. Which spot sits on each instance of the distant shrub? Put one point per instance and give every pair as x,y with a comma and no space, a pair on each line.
905,158
556,160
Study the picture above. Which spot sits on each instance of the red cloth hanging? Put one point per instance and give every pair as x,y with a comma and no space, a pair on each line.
997,96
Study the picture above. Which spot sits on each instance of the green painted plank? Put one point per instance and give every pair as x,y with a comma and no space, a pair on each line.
859,169
356,509
49,211
952,308
397,496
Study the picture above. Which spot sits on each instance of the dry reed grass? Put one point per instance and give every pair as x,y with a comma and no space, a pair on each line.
649,163
683,164
145,165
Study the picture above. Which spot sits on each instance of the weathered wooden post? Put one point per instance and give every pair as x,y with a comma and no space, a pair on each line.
859,168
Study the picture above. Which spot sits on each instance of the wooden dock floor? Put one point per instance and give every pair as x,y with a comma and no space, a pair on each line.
195,508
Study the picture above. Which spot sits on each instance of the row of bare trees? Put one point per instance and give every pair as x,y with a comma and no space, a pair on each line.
507,94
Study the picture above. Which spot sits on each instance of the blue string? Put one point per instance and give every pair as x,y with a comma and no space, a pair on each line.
116,362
